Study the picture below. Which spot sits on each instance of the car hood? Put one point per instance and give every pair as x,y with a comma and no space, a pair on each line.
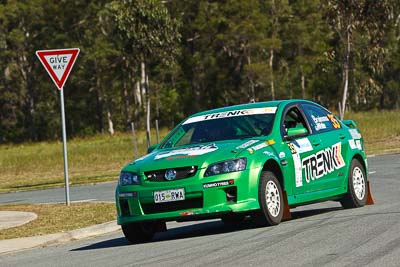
200,155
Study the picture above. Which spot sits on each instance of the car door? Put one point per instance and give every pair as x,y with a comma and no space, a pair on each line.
302,144
324,168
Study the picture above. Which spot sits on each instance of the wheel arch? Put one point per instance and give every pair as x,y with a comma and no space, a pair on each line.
362,161
273,166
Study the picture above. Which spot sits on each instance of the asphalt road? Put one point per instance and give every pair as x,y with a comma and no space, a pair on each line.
320,234
99,192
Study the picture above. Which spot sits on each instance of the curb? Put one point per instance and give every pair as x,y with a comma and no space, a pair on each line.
18,244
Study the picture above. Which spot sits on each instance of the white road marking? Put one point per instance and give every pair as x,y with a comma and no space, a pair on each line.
84,200
372,172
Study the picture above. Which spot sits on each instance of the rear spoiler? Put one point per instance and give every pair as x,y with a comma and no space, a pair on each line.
350,123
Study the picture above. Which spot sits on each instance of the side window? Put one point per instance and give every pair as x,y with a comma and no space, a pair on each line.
320,119
293,119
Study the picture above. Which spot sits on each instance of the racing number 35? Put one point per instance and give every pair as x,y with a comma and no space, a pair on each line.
334,121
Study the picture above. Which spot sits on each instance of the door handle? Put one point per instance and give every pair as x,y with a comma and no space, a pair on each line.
316,142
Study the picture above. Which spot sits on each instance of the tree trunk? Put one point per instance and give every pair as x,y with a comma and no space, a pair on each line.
138,103
99,101
128,115
148,111
145,87
109,117
157,103
271,60
303,85
110,122
253,95
32,128
343,105
346,65
99,107
25,71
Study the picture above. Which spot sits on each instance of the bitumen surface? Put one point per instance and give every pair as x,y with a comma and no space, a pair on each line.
9,219
12,219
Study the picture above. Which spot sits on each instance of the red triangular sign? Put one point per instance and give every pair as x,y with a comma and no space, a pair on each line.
58,63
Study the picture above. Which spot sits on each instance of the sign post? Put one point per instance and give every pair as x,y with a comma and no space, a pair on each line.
65,154
58,64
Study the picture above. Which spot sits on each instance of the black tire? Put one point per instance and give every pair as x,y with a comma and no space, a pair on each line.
139,232
357,186
269,185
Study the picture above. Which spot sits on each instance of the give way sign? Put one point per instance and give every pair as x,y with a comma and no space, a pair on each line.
58,63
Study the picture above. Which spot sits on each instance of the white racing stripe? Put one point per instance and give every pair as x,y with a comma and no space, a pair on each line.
232,113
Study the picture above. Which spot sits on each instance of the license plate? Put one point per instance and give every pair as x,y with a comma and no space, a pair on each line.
169,195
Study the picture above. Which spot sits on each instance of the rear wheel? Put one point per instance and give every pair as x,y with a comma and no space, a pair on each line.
139,232
357,184
270,198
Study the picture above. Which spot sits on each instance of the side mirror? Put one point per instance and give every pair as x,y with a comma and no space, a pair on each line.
298,131
151,148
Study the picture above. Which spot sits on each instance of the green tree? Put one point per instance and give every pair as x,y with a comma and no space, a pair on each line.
152,33
390,93
20,30
306,41
358,25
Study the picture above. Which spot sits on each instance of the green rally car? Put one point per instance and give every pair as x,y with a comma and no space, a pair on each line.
258,159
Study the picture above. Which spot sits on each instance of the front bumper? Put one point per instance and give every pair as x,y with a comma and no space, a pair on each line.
205,197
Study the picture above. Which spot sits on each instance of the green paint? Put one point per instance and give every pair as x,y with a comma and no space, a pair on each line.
321,154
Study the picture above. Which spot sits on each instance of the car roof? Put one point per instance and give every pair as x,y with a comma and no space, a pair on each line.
250,106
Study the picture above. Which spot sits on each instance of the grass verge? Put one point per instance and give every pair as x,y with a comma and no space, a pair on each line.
34,166
56,218
380,129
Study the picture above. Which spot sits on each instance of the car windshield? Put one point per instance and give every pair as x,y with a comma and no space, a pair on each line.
218,129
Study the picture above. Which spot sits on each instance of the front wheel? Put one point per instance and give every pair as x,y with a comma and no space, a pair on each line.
357,183
270,198
139,232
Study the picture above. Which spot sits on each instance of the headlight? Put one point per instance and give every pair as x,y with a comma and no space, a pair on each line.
233,165
128,178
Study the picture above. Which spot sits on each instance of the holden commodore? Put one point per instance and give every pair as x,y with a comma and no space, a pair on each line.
258,159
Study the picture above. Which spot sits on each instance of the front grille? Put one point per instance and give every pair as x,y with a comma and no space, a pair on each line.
150,208
181,173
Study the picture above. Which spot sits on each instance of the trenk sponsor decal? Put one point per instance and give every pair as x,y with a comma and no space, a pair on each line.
323,162
233,113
